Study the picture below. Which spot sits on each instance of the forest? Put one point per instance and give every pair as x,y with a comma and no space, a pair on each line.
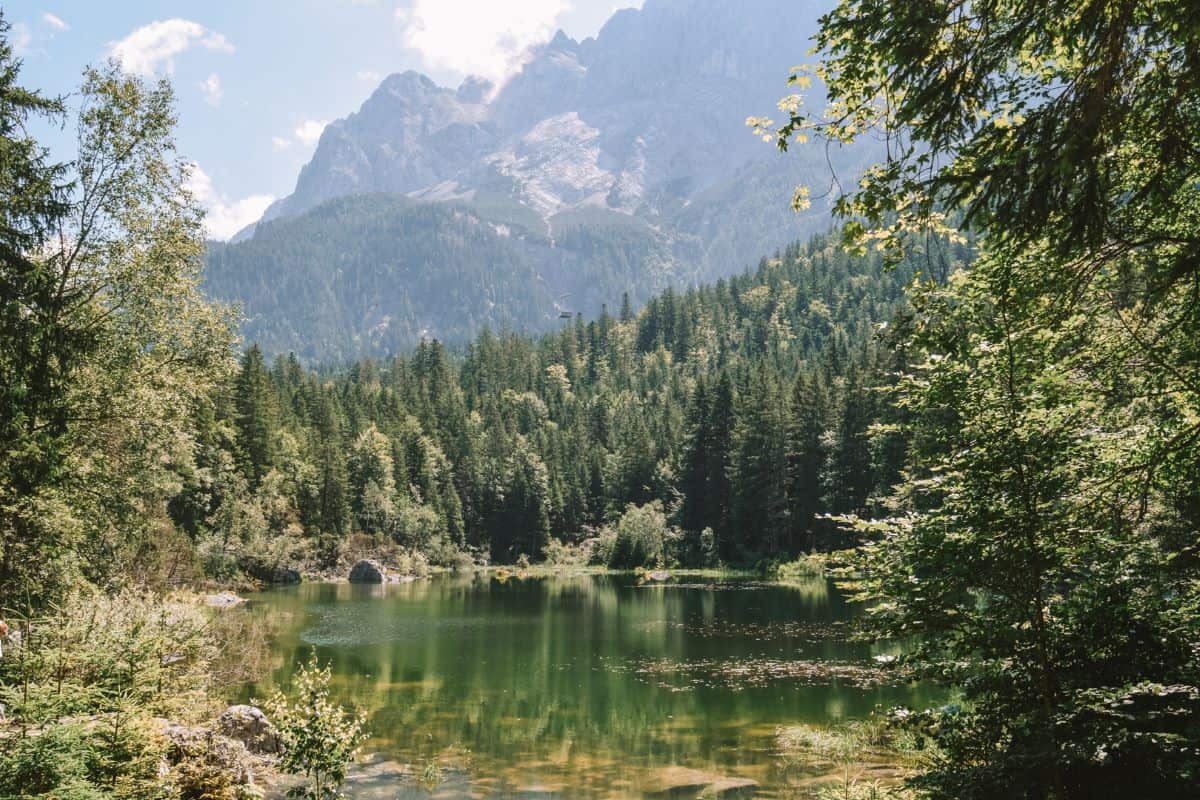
982,390
742,412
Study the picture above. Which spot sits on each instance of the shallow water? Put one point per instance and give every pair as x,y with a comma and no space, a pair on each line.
582,686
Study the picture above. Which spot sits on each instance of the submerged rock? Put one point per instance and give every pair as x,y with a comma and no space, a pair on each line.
730,787
367,571
684,782
250,726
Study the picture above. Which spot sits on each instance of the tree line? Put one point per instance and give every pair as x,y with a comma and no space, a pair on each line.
741,410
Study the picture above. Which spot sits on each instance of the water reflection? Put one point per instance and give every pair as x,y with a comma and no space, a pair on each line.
587,685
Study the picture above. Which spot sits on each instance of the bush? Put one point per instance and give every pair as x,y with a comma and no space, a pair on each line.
318,739
800,569
641,538
88,679
211,768
443,552
561,554
412,563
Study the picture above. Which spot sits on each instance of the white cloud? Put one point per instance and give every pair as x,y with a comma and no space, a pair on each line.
369,75
211,87
470,37
225,217
55,22
20,38
156,44
309,131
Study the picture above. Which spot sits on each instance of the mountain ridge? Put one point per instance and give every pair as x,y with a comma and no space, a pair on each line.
646,120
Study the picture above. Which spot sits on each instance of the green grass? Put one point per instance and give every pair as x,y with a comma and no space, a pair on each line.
857,760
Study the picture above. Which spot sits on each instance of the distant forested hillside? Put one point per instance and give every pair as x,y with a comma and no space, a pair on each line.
371,275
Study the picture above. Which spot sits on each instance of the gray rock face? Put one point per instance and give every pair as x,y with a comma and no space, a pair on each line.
663,91
250,726
286,575
367,571
619,163
409,134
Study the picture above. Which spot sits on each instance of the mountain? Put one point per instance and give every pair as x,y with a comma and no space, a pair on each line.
371,274
619,164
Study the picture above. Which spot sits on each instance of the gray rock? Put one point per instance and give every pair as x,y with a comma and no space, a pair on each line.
223,600
367,571
285,575
730,787
250,726
200,748
681,782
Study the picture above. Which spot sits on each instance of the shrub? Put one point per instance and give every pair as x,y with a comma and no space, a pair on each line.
318,738
642,538
83,685
412,563
561,554
800,569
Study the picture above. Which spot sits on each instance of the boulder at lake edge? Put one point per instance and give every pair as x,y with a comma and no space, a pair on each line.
193,748
367,571
250,726
223,600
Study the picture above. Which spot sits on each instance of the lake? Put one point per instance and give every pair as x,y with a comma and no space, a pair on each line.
577,686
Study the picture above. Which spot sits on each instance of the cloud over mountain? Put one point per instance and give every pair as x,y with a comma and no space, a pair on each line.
154,46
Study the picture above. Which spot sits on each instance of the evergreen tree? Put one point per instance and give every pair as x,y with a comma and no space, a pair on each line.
719,491
758,469
806,459
695,476
254,402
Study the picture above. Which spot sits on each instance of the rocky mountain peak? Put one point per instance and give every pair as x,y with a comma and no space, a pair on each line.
663,91
474,89
621,162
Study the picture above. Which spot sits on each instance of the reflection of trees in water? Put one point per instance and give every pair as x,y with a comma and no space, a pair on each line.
541,670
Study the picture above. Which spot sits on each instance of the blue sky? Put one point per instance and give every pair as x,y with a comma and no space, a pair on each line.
257,80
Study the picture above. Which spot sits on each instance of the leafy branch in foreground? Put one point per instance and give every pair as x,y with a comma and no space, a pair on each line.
1042,547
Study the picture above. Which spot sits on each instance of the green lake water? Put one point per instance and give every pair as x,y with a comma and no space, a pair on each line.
581,686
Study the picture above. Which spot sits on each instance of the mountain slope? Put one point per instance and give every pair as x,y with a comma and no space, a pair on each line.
622,163
371,274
